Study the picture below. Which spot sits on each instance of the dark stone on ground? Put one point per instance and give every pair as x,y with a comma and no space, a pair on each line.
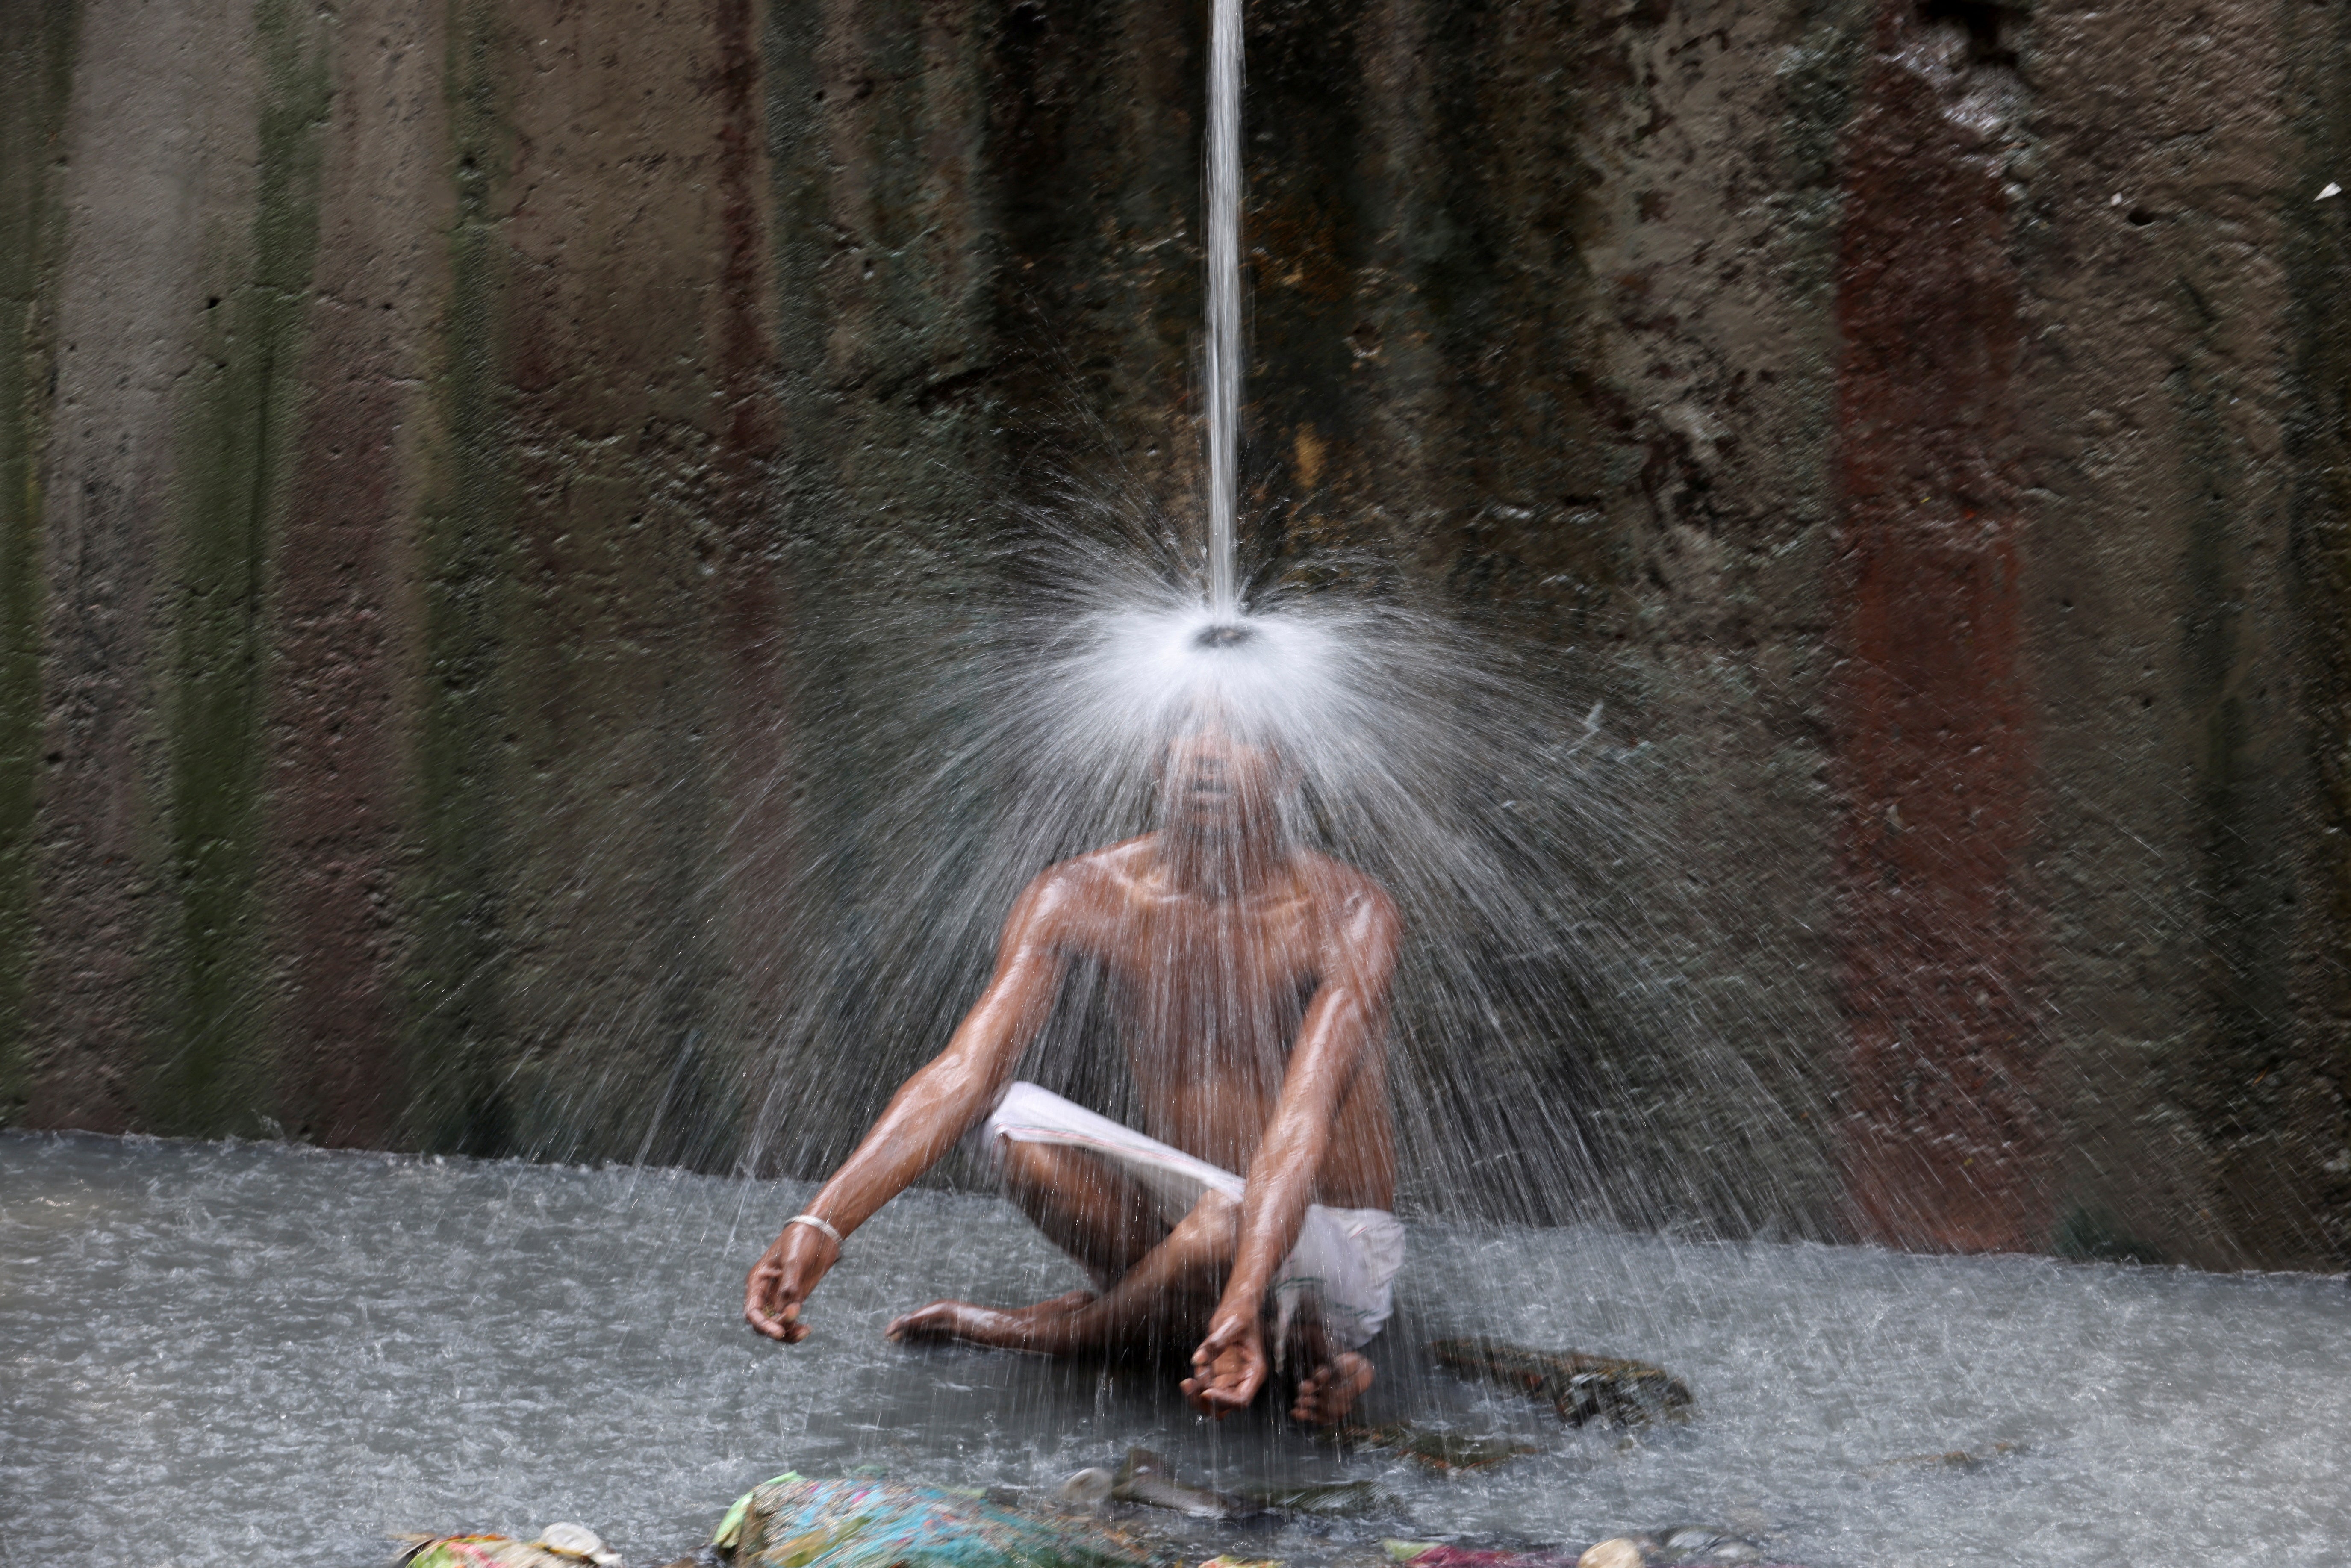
1579,1386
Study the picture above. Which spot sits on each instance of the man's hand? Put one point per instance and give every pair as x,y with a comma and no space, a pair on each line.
781,1280
1229,1366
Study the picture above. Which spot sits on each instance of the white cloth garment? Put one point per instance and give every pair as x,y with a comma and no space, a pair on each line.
1345,1259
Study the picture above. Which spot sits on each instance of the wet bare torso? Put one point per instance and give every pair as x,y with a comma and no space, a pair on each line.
1209,994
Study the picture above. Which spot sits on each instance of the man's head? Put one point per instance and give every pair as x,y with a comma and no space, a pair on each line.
1217,781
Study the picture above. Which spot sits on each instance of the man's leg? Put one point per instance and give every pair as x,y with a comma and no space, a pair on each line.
1084,1204
1166,1294
1166,1298
1160,1282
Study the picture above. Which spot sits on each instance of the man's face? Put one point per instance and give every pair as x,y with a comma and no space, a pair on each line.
1212,782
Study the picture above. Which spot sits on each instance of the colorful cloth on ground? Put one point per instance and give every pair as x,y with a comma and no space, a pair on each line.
1463,1557
1441,1556
794,1523
482,1551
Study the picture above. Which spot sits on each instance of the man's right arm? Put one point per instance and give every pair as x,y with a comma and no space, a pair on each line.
935,1107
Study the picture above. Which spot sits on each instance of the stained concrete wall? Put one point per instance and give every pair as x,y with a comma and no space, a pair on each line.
452,460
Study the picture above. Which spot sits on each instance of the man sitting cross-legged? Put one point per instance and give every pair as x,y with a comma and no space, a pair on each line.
1250,978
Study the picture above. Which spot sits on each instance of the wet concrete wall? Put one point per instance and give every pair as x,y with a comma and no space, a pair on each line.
453,459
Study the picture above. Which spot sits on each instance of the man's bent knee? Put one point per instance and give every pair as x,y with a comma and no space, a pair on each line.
1045,1167
1212,1229
1024,1166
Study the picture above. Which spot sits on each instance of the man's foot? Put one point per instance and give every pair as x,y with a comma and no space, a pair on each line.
1006,1328
1330,1390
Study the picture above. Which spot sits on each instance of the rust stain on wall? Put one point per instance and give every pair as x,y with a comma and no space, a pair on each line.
35,85
138,273
1936,749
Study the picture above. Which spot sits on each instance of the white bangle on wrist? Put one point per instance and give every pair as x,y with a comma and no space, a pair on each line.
813,1223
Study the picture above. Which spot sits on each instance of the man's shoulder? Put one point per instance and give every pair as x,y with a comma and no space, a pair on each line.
1118,862
1068,903
1344,891
1336,879
1091,876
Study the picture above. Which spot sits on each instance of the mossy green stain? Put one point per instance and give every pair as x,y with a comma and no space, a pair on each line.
2231,871
2233,1086
1819,80
1317,217
36,39
2318,448
2094,1235
210,1074
455,1028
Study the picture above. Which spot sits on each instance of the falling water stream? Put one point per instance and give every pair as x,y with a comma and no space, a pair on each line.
1223,349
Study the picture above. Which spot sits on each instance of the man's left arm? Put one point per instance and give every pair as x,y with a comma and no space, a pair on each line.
1344,1023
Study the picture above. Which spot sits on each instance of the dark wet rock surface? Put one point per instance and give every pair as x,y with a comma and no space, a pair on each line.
1579,1386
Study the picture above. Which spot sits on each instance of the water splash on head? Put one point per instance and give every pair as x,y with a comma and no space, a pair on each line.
1544,1045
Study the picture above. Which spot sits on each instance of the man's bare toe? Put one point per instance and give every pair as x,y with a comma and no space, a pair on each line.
1331,1389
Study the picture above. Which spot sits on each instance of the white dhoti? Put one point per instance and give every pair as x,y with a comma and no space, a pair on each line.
1345,1261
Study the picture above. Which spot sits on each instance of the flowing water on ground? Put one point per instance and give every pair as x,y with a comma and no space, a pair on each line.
216,1353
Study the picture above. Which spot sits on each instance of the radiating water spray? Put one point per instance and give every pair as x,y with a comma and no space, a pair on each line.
1549,1060
1224,226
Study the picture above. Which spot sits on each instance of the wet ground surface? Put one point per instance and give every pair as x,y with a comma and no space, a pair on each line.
213,1353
